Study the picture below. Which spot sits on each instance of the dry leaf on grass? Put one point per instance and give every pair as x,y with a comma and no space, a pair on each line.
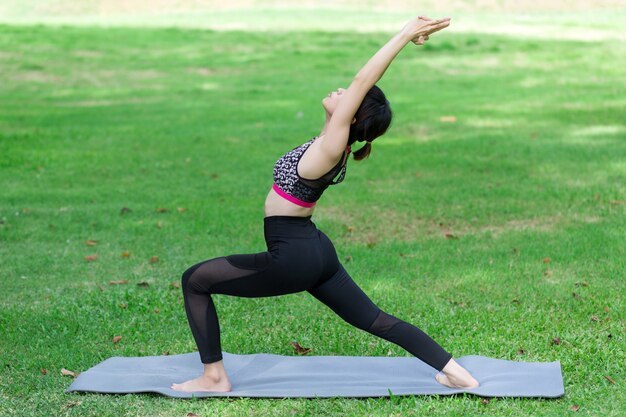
72,404
67,372
299,349
608,378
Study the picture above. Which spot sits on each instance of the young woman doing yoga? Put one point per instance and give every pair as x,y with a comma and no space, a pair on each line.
299,256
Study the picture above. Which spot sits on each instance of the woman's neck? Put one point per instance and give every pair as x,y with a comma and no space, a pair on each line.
325,125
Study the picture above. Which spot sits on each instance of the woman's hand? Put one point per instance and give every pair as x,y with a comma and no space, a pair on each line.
417,30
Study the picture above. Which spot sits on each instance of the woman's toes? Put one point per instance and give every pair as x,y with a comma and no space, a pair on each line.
443,379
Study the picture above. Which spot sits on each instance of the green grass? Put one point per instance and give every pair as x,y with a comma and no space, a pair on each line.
94,120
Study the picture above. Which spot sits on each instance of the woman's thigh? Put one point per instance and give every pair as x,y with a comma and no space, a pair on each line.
294,265
292,268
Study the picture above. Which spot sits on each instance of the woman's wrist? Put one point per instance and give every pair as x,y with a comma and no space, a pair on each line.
405,36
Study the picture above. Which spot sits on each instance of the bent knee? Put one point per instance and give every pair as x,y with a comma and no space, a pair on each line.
186,280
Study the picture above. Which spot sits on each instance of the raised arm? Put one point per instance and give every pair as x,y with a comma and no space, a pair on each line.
416,30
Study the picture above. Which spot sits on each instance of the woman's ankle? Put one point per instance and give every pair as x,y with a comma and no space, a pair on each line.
450,367
459,376
215,371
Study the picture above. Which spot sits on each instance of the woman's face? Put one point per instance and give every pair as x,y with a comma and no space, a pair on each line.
331,101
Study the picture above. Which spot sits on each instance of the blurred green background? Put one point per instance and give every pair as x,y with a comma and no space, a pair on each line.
142,135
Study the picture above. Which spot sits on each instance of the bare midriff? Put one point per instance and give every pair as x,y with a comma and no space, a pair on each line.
276,205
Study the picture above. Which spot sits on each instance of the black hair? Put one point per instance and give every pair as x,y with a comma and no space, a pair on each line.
372,120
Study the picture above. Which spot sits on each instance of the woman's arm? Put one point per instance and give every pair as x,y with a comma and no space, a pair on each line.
378,64
416,30
368,76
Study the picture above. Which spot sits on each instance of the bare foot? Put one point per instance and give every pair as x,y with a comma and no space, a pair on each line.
204,383
454,375
213,379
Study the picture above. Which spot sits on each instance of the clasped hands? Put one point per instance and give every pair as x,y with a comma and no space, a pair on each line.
418,29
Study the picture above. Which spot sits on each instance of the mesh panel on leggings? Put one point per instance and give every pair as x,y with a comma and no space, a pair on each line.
197,282
383,323
215,271
411,338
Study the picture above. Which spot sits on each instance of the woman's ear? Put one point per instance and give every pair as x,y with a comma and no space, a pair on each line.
353,120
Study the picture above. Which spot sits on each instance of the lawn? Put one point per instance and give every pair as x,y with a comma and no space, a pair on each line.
492,214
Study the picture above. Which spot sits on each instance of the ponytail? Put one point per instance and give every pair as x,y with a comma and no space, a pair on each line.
363,152
372,120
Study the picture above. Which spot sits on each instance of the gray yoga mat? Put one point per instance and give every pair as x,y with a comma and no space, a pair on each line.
276,376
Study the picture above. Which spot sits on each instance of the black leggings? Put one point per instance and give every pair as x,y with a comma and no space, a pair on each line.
299,257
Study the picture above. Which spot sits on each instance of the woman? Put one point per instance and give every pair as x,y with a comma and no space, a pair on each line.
301,257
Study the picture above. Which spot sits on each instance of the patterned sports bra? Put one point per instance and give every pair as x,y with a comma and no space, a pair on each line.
302,191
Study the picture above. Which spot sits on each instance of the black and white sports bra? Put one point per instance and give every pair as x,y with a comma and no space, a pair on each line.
302,191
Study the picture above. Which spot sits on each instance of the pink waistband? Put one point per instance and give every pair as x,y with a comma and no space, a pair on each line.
292,198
